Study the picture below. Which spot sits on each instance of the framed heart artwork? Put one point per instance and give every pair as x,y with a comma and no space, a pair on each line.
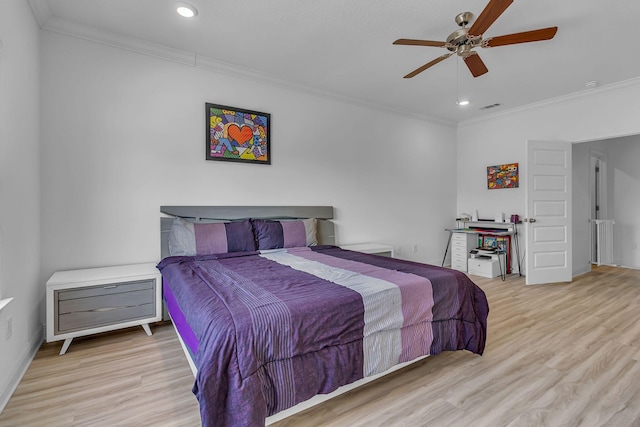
237,135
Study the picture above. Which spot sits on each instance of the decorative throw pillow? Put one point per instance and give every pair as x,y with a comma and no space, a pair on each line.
189,239
285,234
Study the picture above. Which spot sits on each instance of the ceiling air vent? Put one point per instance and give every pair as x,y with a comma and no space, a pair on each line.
488,107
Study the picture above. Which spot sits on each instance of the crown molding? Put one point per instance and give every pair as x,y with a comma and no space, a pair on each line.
635,81
49,22
85,32
61,26
40,10
221,67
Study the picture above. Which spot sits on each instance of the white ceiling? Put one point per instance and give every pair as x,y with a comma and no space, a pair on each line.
344,48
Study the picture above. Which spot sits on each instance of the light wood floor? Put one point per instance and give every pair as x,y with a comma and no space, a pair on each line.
557,355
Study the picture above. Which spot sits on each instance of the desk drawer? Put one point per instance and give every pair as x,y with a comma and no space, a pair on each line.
460,265
461,246
460,237
464,240
459,257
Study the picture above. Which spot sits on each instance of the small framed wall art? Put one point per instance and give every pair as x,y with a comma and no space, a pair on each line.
237,135
502,176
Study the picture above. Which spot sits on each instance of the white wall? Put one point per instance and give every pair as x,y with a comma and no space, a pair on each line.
123,133
623,172
19,192
600,114
581,212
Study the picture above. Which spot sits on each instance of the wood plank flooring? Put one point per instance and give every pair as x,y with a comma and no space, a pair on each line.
122,378
557,355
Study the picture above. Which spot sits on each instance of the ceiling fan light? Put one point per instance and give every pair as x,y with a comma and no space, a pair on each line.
186,10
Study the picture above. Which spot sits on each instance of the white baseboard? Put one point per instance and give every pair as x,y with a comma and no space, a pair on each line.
6,391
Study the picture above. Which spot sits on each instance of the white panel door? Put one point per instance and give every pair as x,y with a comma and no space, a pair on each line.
548,215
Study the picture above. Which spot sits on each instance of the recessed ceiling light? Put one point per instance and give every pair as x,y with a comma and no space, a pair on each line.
462,102
186,10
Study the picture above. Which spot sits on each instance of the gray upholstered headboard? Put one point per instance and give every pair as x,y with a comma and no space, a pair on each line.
323,214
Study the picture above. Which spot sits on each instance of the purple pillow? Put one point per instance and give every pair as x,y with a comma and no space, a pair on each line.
284,234
189,239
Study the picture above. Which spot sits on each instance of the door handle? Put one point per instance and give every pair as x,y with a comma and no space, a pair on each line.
529,220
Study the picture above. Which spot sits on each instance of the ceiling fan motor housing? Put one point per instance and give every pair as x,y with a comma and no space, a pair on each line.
460,42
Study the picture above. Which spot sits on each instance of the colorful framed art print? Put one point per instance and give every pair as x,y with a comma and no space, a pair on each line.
237,135
502,176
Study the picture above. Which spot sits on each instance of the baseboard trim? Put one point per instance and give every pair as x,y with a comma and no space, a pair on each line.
7,390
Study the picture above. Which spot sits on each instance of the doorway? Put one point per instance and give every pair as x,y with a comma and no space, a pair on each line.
618,198
598,180
601,231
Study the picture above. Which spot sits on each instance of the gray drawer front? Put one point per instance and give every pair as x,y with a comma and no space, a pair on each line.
106,289
93,319
103,305
106,302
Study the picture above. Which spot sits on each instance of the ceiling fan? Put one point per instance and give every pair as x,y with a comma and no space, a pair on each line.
464,40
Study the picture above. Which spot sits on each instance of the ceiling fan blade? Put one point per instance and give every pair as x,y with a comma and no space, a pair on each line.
524,37
427,65
475,65
412,42
488,16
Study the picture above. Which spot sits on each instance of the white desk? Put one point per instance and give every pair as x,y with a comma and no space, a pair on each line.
487,228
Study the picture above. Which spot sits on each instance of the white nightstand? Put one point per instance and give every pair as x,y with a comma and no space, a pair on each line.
371,248
93,300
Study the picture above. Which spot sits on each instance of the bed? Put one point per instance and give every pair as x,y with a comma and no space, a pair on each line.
271,313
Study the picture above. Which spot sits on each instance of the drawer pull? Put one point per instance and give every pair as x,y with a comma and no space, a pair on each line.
110,287
110,308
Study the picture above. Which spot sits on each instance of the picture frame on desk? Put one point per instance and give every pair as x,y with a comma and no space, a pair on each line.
489,242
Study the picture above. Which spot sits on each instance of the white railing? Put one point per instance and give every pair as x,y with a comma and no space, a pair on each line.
602,253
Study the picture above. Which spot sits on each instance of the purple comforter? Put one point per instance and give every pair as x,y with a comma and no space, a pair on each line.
269,330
